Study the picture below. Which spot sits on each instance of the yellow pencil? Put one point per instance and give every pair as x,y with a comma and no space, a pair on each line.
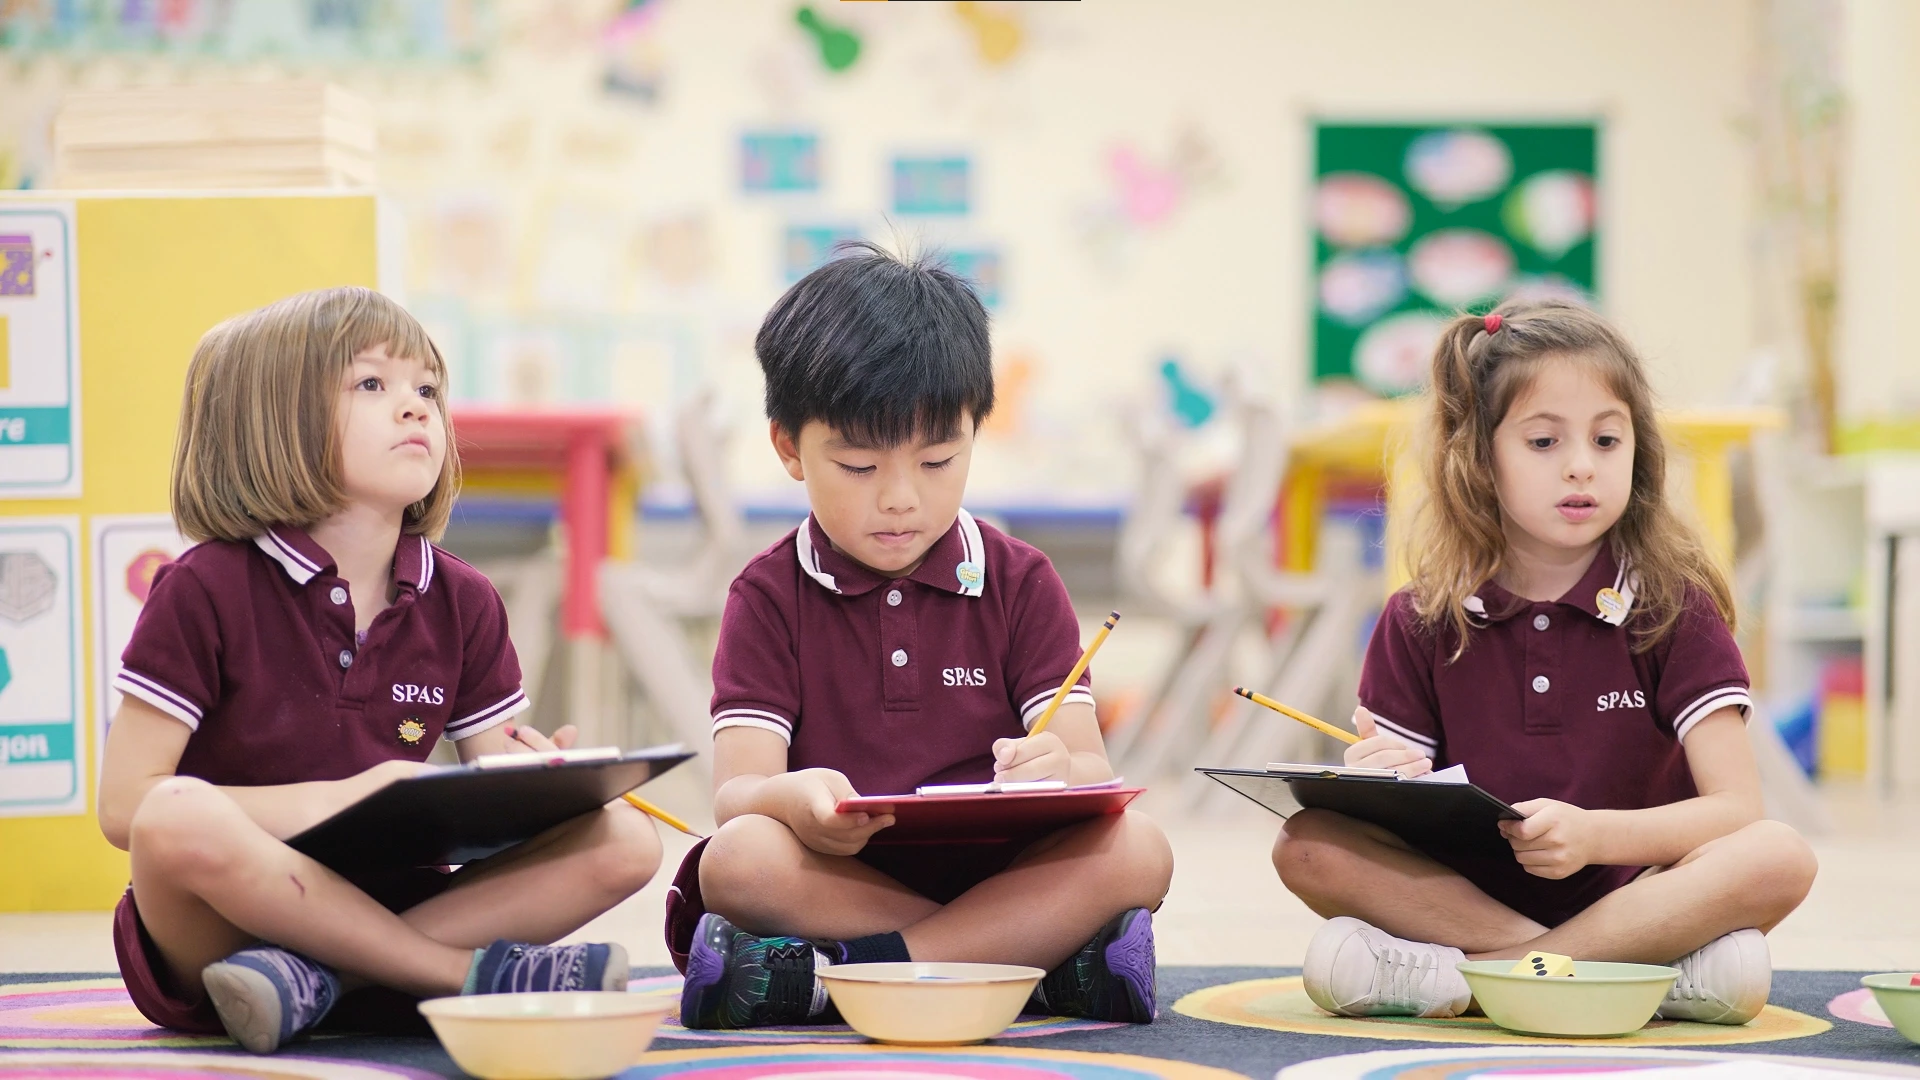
1073,676
1311,721
646,807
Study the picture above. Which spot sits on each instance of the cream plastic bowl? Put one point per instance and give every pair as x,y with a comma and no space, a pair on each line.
1899,999
930,1004
561,1035
1599,1000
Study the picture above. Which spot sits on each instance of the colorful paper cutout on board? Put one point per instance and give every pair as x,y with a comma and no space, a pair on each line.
997,35
779,161
1474,213
1358,287
931,185
1357,210
981,267
1455,267
808,246
1454,168
839,47
1551,211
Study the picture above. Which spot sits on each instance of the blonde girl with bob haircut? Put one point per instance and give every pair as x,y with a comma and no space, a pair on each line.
309,649
1565,638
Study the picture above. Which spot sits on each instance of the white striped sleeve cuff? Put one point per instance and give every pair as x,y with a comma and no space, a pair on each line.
754,718
481,719
1419,742
1037,704
159,695
1709,703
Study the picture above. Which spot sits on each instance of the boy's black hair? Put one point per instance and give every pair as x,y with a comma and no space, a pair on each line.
883,349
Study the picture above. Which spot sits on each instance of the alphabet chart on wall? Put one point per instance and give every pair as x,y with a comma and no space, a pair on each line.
39,353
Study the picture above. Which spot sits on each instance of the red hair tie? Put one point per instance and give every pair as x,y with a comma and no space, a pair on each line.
1492,323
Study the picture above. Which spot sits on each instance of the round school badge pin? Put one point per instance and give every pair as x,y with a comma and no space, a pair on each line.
971,574
1611,604
412,730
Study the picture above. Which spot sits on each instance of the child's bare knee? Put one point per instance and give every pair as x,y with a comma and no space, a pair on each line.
1303,853
1782,867
630,856
742,854
1150,858
177,829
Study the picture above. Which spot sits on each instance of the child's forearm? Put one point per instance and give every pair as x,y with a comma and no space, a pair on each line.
1663,835
751,793
1089,768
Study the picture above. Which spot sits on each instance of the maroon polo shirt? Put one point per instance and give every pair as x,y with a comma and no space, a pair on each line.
252,646
1549,701
895,682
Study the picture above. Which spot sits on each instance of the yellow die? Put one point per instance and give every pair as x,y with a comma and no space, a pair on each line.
1544,964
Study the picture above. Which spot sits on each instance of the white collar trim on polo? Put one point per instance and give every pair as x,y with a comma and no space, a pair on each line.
972,550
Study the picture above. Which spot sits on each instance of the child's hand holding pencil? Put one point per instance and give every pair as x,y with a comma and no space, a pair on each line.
1378,751
1037,757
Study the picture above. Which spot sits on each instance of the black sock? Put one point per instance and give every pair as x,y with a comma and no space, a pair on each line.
875,949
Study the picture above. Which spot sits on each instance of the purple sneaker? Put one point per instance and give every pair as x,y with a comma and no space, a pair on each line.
266,995
507,967
1110,978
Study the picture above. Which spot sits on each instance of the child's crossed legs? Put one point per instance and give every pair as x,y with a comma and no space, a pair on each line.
208,881
1057,893
1339,866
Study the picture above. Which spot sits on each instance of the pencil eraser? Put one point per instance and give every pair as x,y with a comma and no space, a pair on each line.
1544,964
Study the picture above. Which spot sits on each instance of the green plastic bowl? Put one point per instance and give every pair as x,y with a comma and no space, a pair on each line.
1899,999
1598,1001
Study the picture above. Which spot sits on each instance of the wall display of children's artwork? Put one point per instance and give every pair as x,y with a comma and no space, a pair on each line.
42,739
39,353
432,31
930,185
779,161
1413,223
128,549
997,33
808,246
982,268
839,46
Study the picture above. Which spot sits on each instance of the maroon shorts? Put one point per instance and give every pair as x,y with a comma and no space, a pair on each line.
939,872
161,998
1545,901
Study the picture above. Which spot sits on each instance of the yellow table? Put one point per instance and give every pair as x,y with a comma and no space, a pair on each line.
1370,443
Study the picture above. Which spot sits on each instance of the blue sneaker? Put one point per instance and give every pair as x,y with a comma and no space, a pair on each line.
737,980
512,967
266,995
1110,978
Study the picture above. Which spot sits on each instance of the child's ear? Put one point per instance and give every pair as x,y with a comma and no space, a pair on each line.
788,449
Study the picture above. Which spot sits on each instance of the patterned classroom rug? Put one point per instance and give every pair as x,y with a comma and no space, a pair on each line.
1244,1021
1281,1005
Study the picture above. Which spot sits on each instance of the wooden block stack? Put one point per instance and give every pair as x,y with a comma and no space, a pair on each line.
268,135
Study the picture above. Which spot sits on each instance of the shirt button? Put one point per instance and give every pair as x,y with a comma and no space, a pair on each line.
1540,684
1541,622
899,658
346,658
893,597
338,595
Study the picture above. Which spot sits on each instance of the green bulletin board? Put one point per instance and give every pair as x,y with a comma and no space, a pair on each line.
1415,222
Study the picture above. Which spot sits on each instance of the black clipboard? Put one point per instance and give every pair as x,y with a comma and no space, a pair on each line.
1460,818
462,813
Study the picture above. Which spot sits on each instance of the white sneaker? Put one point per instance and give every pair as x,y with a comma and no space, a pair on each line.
1353,969
1725,981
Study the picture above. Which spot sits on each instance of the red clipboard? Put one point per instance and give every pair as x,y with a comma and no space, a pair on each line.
984,819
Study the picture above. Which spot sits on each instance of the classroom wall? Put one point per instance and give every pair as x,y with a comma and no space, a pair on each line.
1878,366
570,242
